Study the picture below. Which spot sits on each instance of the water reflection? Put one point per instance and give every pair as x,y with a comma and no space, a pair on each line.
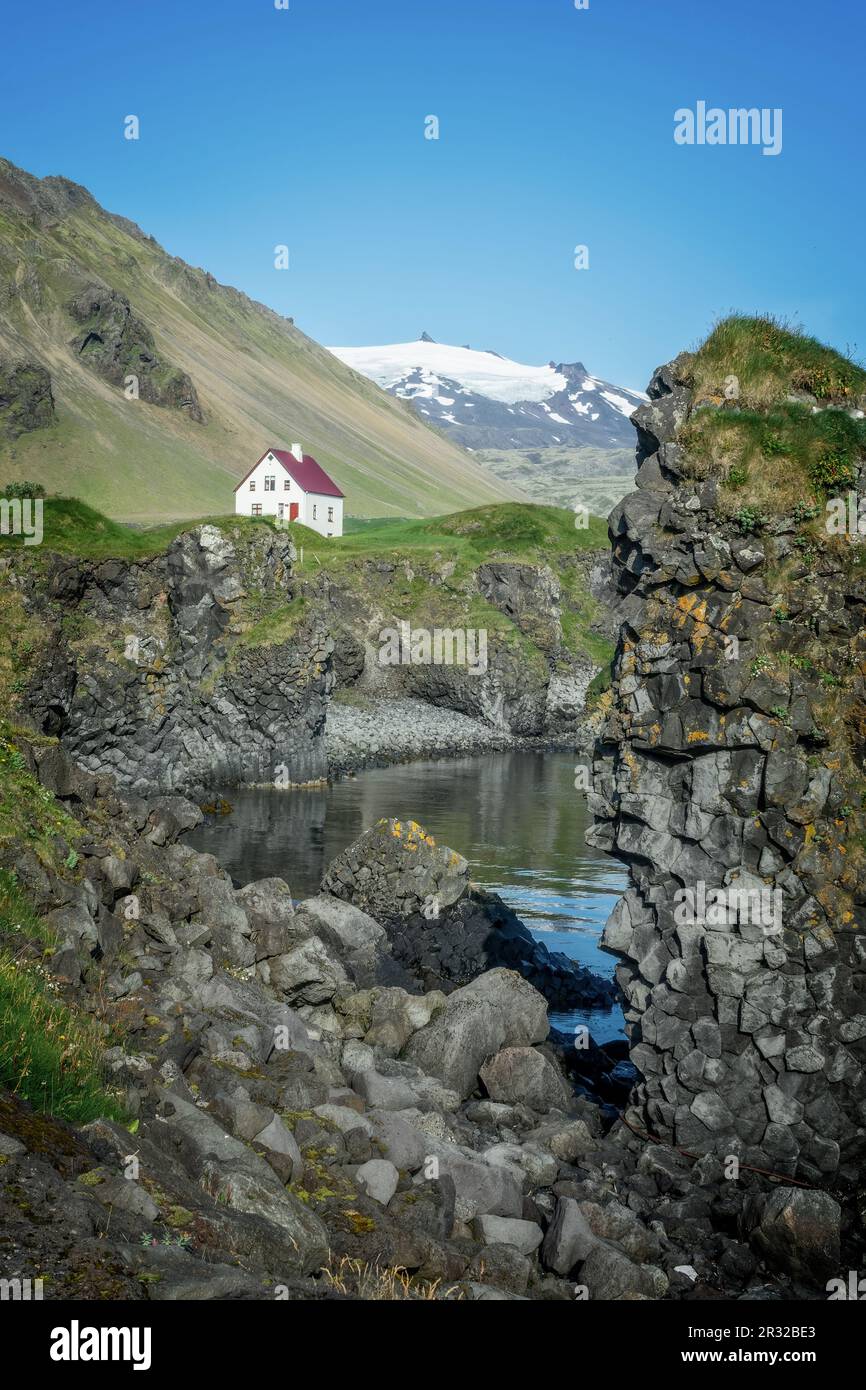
516,817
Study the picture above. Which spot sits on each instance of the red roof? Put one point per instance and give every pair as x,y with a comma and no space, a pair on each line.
308,474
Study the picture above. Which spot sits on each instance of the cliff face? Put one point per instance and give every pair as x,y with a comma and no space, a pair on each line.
504,680
146,672
730,760
213,661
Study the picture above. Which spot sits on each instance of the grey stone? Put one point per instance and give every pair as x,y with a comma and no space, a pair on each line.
798,1231
611,1275
522,1075
569,1238
378,1178
308,974
524,1236
498,1009
282,1150
232,1173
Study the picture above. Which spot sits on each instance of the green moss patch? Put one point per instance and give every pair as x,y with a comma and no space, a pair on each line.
769,359
787,458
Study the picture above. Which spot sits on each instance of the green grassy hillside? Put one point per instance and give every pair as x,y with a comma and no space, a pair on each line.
260,381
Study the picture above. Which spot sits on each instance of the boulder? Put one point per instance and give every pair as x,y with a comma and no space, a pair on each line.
539,1169
567,1140
396,1015
498,1009
569,1238
121,1194
275,928
378,1179
609,1274
482,1189
522,1075
797,1230
344,927
309,974
233,1174
400,1086
398,1139
281,1150
524,1236
395,870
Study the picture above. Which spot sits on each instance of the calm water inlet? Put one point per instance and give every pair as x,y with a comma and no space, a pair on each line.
516,817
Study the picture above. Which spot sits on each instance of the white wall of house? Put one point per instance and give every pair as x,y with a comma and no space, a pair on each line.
323,514
270,491
267,487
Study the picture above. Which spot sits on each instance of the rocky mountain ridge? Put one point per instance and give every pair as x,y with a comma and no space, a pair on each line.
486,401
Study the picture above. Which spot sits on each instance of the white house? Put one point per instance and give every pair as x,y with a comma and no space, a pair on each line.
293,487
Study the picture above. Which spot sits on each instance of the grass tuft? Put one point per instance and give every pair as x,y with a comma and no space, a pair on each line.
376,1283
771,359
50,1055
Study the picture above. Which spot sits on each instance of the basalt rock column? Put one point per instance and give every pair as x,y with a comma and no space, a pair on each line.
717,769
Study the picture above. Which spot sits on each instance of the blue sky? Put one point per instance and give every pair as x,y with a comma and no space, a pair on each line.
306,127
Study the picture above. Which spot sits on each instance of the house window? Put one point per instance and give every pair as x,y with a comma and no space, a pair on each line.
330,513
270,484
253,486
257,509
314,511
287,485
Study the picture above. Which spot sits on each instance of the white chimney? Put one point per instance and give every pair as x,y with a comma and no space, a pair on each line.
298,452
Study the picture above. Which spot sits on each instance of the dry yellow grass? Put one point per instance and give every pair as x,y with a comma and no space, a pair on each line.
376,1283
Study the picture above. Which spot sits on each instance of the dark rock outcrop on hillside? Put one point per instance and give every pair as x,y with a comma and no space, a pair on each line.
530,595
113,342
42,201
714,772
26,401
165,693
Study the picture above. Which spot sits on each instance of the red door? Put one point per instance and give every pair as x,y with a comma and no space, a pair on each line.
293,511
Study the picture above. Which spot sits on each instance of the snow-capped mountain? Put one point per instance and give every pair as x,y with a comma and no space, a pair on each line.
485,401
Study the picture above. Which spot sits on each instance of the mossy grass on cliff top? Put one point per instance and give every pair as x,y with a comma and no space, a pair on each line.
765,359
774,418
71,527
279,624
786,458
513,530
